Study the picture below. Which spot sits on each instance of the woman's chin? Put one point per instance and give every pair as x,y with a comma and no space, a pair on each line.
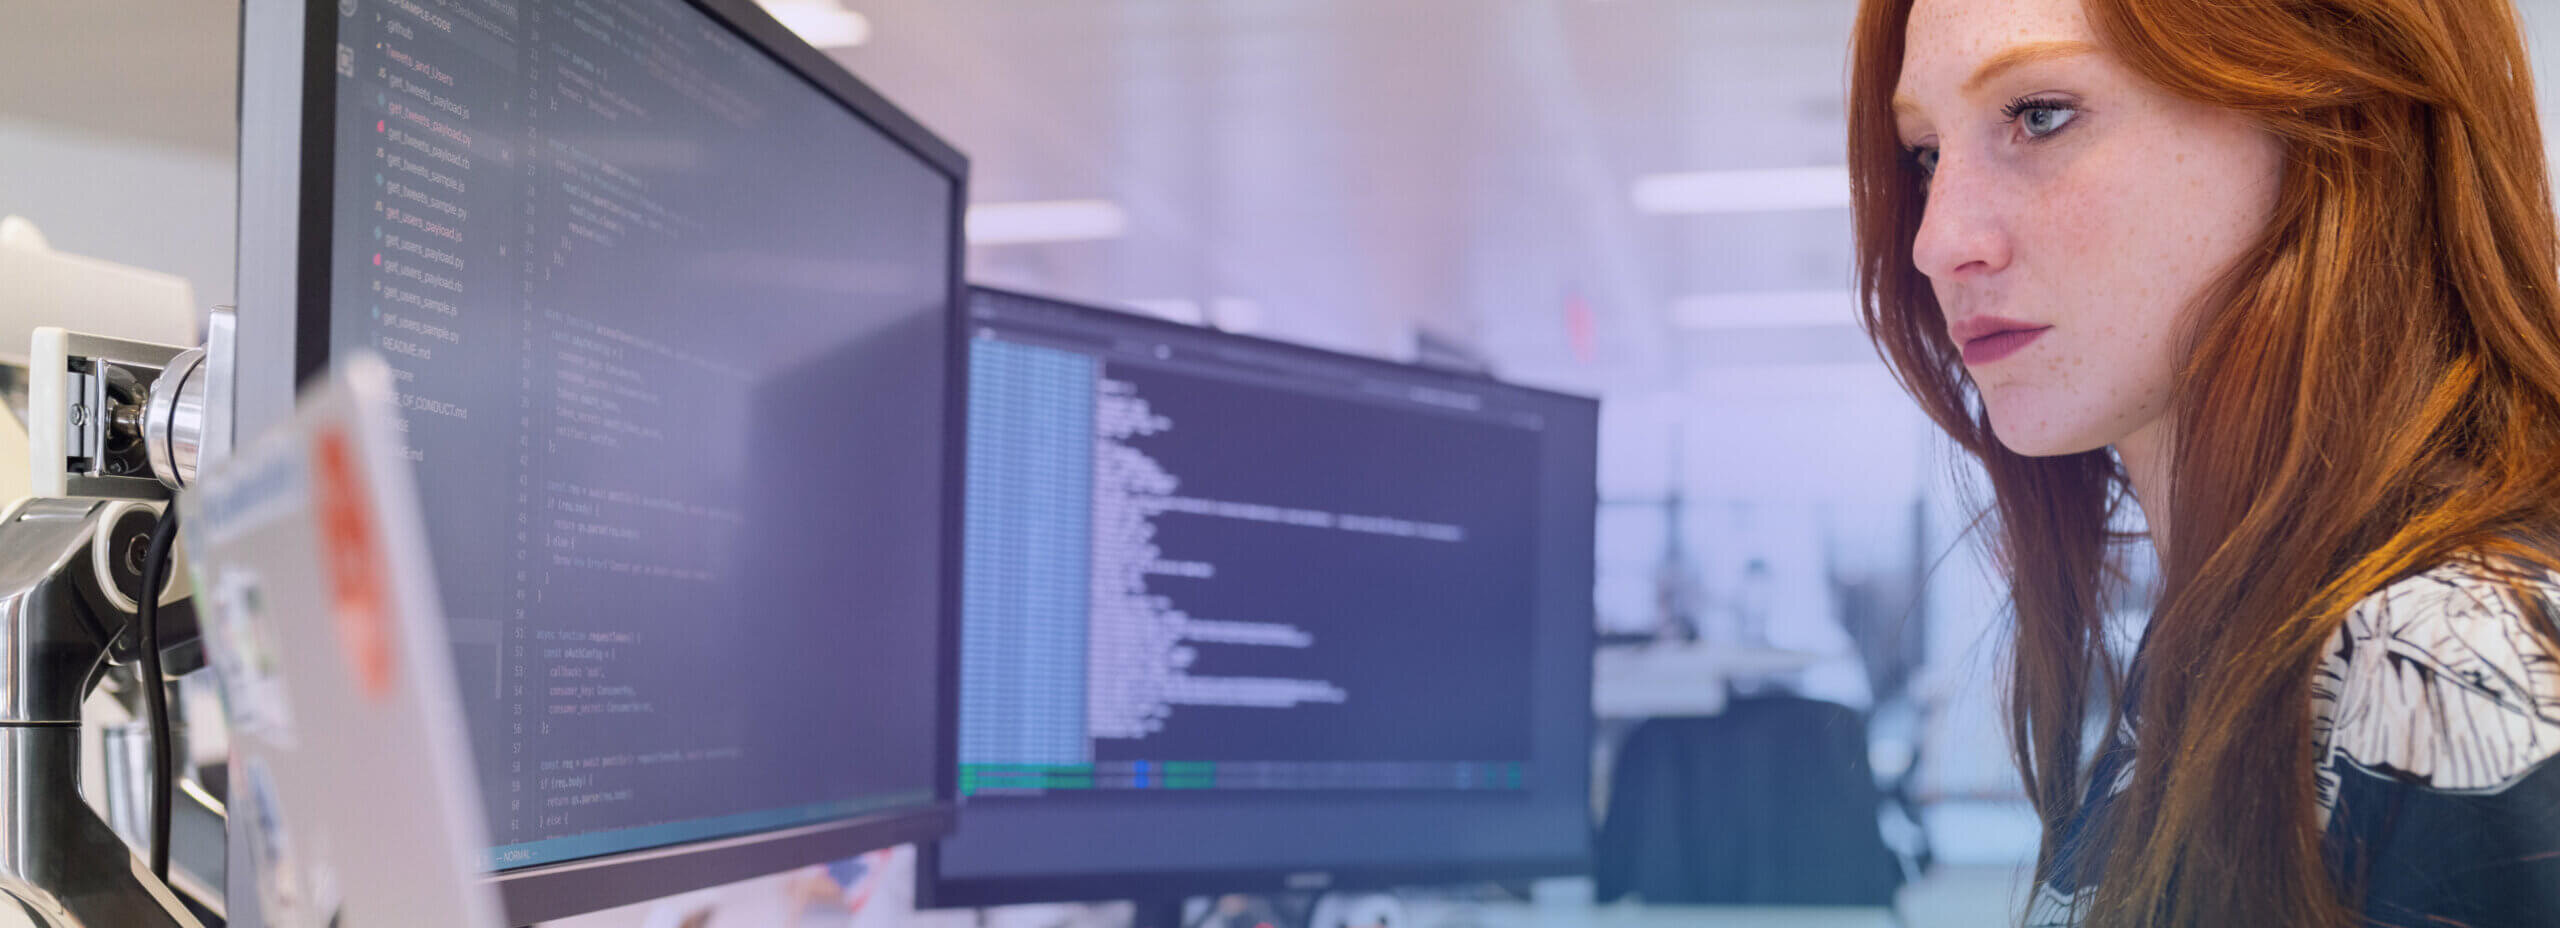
2041,436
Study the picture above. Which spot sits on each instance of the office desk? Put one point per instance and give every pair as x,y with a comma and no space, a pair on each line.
1530,915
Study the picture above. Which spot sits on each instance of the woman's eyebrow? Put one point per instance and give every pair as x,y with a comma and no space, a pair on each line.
2020,55
2014,56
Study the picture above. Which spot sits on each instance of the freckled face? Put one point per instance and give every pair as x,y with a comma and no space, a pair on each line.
2075,213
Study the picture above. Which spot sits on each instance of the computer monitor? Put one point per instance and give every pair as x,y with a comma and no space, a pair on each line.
1239,616
670,301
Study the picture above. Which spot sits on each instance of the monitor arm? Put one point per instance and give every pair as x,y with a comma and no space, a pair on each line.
69,576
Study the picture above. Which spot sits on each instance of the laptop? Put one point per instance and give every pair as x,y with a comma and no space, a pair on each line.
350,768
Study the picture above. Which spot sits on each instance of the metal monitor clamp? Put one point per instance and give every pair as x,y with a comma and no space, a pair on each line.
115,418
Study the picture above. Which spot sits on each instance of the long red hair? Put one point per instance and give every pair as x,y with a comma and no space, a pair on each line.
2372,390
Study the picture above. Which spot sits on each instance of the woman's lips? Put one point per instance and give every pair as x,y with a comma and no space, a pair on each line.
1999,345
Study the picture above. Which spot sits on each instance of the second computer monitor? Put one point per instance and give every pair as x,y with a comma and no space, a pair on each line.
1240,616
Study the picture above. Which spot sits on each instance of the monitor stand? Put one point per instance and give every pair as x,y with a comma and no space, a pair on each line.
61,864
1158,912
1232,911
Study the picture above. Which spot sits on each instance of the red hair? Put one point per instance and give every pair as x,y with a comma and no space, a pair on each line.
2371,390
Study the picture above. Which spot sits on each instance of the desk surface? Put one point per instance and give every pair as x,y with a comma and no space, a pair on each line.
1674,680
1430,915
1408,914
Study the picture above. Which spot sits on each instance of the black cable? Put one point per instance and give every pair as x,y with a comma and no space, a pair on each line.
155,688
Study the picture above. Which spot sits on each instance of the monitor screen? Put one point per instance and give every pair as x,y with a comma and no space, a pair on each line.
1235,612
669,301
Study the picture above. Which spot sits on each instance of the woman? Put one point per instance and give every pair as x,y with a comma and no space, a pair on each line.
2282,274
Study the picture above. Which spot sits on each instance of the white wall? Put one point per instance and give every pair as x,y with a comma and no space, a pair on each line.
118,131
162,207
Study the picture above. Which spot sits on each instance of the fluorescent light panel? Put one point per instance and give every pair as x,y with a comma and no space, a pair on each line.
1770,309
1229,313
1046,221
822,23
1767,191
1172,308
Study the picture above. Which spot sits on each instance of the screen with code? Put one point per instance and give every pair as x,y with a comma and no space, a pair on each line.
669,326
1230,604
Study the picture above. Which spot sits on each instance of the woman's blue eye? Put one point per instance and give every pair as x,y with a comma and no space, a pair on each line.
1927,160
2041,119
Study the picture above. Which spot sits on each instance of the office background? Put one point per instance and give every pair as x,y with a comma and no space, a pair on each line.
1634,199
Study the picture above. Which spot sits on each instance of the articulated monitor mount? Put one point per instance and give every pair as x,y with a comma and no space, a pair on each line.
108,418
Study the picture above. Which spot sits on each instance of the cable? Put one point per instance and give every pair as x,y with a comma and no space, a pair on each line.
155,688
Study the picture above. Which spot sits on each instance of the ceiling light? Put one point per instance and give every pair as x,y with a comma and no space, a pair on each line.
822,23
1236,314
1171,309
1046,221
1768,309
1743,191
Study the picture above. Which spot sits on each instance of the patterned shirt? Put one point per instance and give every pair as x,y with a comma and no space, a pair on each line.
2435,716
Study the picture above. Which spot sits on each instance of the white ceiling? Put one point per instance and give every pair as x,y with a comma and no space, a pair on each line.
1361,167
161,72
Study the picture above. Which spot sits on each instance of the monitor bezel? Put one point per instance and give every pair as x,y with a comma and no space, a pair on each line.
288,99
936,890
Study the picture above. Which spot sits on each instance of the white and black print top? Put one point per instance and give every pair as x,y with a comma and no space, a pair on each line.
2436,716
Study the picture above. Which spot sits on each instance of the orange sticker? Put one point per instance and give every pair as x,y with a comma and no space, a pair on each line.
358,592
